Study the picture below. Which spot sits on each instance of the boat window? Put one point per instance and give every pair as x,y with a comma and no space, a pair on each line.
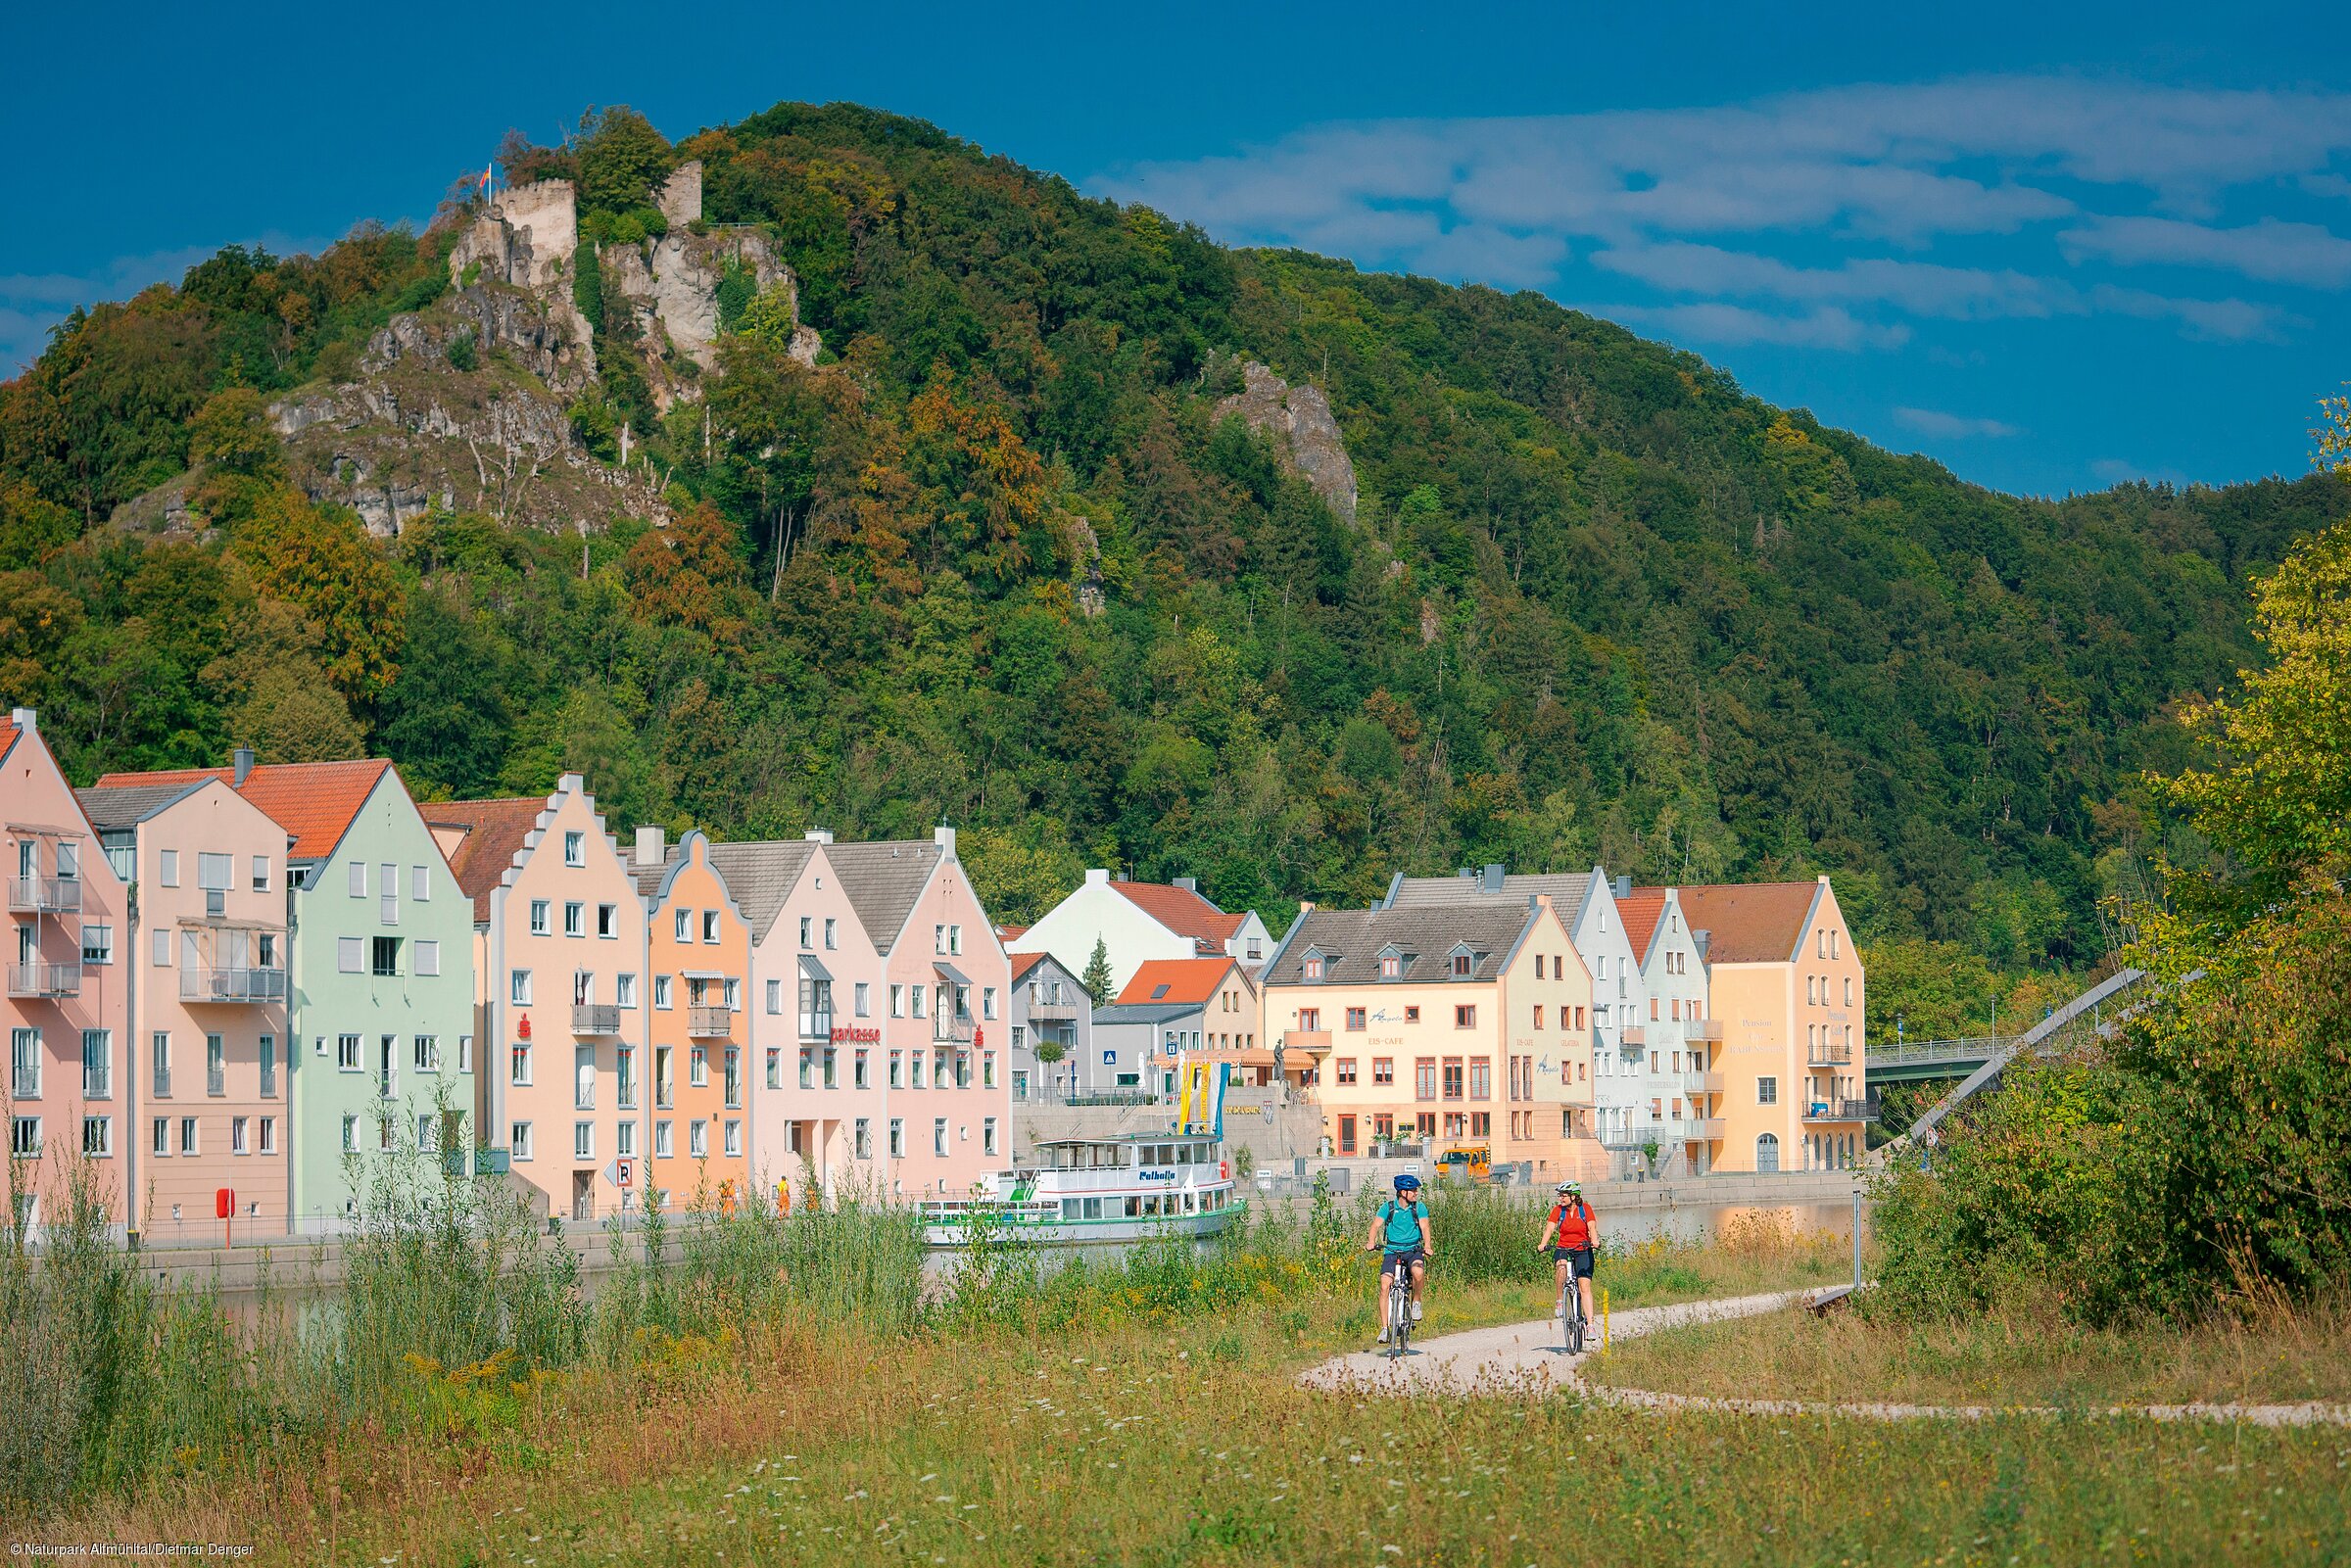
1187,1202
1069,1209
1093,1208
1135,1206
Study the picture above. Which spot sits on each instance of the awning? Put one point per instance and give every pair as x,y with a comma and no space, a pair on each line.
813,970
703,974
949,972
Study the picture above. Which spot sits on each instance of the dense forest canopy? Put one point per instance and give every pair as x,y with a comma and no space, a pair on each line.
994,560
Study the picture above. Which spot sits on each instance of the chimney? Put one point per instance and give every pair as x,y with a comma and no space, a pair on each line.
1624,887
1703,939
818,836
25,719
944,837
1097,876
1190,885
243,758
1494,876
651,846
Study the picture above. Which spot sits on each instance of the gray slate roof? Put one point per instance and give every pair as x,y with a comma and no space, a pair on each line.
883,879
127,806
761,876
1566,891
1351,940
1145,1012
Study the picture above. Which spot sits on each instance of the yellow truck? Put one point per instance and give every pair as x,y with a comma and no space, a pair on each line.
1469,1163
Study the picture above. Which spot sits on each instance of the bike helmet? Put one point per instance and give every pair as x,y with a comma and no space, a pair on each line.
1570,1189
1406,1182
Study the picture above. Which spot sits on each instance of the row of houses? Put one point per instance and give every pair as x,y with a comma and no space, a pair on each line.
252,980
1574,1022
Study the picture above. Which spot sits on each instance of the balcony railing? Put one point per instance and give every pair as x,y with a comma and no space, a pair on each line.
40,980
44,895
24,1083
715,1023
951,1030
1702,1030
216,1079
1828,1055
595,1018
1843,1109
234,985
817,1025
1707,1129
1315,1040
1059,1011
1706,1083
1630,1035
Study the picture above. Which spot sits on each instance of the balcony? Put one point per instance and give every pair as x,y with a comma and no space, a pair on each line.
1065,1012
1829,1056
816,1026
1632,1036
951,1031
1315,1040
1705,1083
44,895
1704,1130
594,1019
716,1022
1702,1030
38,980
234,987
1825,1111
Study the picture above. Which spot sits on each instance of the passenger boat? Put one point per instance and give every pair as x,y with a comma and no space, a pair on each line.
1130,1187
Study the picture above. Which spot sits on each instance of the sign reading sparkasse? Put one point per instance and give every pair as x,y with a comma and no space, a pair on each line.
853,1034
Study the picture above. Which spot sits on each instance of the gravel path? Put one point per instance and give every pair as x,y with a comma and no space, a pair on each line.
1523,1359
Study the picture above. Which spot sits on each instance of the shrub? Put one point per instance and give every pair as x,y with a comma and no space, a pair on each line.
462,353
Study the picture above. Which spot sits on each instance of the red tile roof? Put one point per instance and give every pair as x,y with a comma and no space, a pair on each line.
1641,910
7,736
1177,981
495,830
1183,912
1750,923
314,802
1011,934
1022,963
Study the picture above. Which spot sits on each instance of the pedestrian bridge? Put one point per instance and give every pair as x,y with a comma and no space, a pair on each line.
1915,1061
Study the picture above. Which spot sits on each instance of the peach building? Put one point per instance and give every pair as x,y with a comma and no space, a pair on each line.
1787,991
699,1039
1441,1024
69,1085
205,961
567,1091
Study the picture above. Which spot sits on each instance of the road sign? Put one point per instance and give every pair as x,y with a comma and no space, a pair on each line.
624,1174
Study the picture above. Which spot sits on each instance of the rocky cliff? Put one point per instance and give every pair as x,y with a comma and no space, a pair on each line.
1300,421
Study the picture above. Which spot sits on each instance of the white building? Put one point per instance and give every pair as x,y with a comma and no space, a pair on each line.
1138,922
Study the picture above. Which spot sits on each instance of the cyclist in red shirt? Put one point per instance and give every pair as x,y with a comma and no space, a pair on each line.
1568,1235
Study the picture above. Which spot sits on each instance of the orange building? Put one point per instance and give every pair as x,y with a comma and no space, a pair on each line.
700,959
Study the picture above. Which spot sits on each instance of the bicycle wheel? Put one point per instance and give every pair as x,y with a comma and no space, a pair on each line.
1576,1327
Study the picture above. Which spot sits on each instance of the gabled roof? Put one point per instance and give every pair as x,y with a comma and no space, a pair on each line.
494,832
883,880
1176,981
1022,963
1642,910
760,876
1183,912
1351,940
1011,934
7,737
1568,891
1750,923
119,807
314,802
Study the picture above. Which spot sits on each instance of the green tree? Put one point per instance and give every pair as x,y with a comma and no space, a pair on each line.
1096,978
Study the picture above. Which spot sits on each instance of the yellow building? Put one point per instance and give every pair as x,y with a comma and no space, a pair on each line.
1790,997
1442,1026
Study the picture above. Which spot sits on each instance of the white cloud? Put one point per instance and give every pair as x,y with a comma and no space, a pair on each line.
1829,327
1688,202
31,303
2272,251
1939,426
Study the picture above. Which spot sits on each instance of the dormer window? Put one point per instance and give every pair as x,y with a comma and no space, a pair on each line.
1461,966
1391,964
1314,965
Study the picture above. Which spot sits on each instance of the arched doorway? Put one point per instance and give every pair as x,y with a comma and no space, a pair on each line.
1768,1153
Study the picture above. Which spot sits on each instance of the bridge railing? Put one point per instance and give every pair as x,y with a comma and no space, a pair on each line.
1919,1052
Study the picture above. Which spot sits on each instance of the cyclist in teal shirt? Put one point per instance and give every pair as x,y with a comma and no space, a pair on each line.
1399,1234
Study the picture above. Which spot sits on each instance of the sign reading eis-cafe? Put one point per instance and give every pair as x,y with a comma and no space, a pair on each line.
852,1035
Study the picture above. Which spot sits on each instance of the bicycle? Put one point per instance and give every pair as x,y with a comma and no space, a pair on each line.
1572,1318
1400,1311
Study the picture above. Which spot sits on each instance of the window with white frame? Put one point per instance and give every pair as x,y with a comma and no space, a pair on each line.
624,1140
351,1133
681,923
939,1137
98,1064
159,939
661,990
988,1135
421,884
608,921
664,1145
518,987
575,919
98,943
697,1139
427,954
98,1137
25,1063
897,1137
710,927
521,1067
865,1000
347,1053
538,916
624,990
187,1135
575,848
426,1053
356,878
987,1001
734,1142
465,1052
898,1001
775,996
167,868
24,1137
583,1140
831,932
519,1144
239,1129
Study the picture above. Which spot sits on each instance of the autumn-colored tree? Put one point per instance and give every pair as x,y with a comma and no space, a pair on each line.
321,560
30,524
690,574
986,490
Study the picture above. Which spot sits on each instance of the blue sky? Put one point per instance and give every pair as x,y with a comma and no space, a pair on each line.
2054,247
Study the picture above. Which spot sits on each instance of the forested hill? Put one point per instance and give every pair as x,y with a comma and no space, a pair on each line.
1593,602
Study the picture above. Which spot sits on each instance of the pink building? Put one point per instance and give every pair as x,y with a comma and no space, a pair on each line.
947,986
205,959
68,1001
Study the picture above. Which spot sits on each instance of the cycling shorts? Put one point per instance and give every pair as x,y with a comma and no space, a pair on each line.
1579,1260
1389,1262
